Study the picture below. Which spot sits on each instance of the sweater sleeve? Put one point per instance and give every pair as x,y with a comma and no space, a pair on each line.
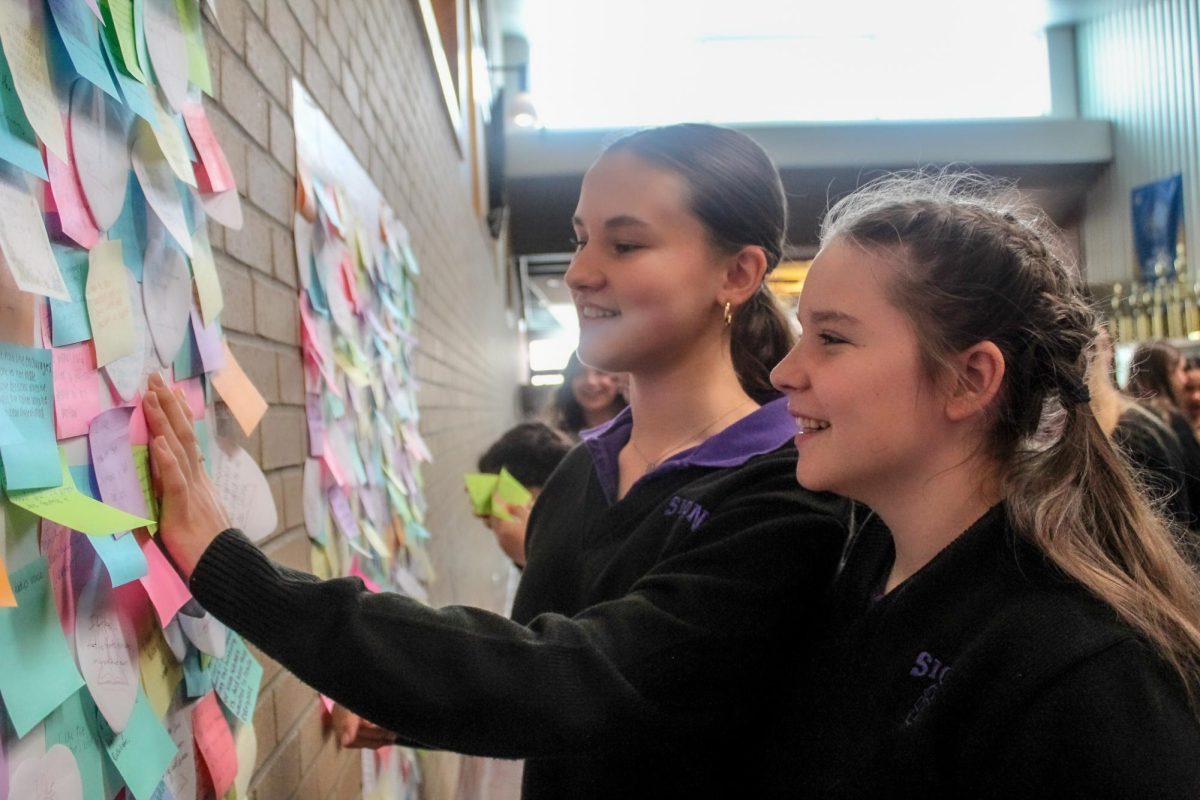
1116,725
694,638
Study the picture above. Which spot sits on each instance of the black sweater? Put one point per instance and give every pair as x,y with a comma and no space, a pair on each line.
988,674
655,643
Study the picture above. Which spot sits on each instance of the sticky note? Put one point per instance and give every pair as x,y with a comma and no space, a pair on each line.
202,629
65,205
107,650
27,397
119,19
17,310
37,672
53,775
70,725
142,752
18,142
215,743
172,141
512,492
133,92
167,297
100,151
76,389
122,558
180,778
7,598
160,671
130,228
23,237
216,176
197,55
237,677
224,207
141,464
162,583
22,33
158,184
480,488
67,506
69,318
204,271
239,393
77,28
112,459
108,303
167,49
343,515
243,490
126,373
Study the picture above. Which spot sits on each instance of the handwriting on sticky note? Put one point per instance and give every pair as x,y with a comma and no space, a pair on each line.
167,296
215,742
237,677
108,303
67,506
157,182
22,33
168,51
127,372
142,752
99,144
23,238
69,319
244,491
26,395
106,649
76,389
112,458
180,778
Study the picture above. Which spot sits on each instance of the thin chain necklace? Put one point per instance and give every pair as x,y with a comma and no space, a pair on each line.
652,463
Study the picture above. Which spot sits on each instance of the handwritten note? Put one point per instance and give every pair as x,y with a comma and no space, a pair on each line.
180,779
69,319
237,677
106,649
109,310
77,27
126,373
65,206
135,93
37,672
142,752
120,23
112,459
99,143
172,140
204,270
167,49
22,33
27,398
243,490
167,296
76,389
215,743
67,506
70,725
160,670
157,182
53,776
23,237
17,309
18,142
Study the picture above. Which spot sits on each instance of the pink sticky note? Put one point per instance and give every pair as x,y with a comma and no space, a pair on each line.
76,389
216,175
112,458
138,432
73,214
331,461
356,572
163,585
215,742
193,394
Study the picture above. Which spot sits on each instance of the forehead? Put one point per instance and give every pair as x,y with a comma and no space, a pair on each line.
847,278
623,184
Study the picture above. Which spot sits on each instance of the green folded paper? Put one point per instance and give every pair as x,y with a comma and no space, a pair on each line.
482,486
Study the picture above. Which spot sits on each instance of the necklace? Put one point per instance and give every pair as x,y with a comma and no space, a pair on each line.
652,463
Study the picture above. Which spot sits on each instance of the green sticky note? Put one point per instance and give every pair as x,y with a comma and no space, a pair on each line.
37,672
189,20
142,752
236,678
119,20
67,506
480,487
511,491
72,725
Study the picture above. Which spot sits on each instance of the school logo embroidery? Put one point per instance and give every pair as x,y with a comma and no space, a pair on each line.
690,510
932,668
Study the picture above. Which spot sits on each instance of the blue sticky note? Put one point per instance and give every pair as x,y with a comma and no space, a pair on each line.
237,677
132,90
316,292
197,681
27,396
73,725
76,27
8,431
85,480
122,558
142,752
187,361
69,322
37,672
130,228
18,142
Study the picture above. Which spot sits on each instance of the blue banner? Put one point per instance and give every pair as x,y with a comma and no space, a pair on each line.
1157,216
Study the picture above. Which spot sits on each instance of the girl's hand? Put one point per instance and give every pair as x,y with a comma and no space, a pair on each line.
510,533
354,731
191,515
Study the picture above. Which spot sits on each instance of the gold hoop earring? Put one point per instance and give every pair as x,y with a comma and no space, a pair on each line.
728,314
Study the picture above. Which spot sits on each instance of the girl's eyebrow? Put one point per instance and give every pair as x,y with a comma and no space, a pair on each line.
835,316
621,221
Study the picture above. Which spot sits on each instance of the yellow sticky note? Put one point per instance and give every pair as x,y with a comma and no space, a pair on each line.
170,141
161,673
109,309
480,487
141,462
23,35
204,272
7,598
67,506
235,388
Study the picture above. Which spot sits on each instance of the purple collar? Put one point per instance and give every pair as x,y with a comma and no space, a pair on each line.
759,432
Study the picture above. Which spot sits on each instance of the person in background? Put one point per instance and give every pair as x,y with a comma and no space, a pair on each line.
1152,449
674,572
587,398
1191,393
1014,620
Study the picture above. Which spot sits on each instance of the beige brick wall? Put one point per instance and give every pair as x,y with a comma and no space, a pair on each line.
366,63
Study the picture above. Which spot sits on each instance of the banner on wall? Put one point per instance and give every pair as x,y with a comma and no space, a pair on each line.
1157,226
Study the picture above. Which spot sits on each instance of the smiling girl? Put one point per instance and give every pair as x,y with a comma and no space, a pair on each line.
1021,624
672,562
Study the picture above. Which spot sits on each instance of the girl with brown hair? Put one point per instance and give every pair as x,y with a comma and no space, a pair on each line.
1016,620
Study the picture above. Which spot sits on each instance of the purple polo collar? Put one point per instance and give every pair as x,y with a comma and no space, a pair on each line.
759,432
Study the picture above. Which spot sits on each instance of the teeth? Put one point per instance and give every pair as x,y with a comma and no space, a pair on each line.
811,424
592,312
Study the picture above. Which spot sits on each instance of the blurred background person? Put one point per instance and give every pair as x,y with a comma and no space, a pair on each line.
1191,392
587,398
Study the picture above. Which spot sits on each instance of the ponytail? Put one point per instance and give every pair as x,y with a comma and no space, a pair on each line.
759,338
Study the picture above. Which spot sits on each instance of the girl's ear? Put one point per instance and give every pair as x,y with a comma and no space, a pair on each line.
744,273
979,372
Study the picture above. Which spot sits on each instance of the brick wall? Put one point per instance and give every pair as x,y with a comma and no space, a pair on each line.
366,64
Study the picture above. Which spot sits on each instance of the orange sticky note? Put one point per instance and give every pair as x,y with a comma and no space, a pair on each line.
7,598
215,742
245,401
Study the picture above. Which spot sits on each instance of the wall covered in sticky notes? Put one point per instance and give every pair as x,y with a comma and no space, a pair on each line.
204,211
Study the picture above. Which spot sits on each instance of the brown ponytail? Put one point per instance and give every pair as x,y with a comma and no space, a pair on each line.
736,193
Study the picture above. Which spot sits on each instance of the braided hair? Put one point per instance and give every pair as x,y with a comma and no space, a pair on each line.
977,264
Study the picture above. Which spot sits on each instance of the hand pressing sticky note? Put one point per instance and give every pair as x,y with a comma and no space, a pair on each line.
67,506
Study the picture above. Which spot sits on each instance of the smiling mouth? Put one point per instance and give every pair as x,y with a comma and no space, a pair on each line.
811,424
595,312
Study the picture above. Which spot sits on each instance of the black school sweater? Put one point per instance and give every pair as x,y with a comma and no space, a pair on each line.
656,639
987,674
